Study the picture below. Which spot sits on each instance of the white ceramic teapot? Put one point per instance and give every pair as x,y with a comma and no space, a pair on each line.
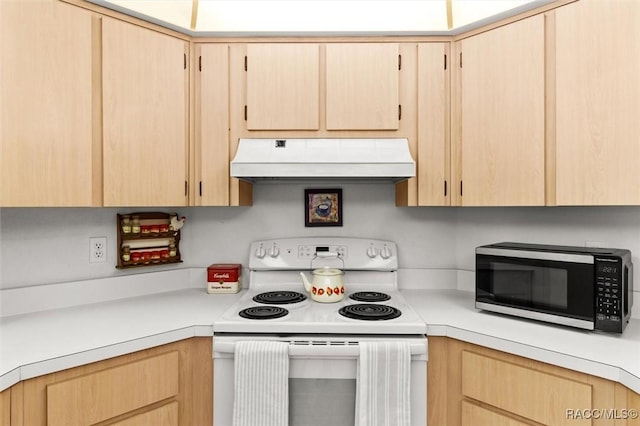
327,286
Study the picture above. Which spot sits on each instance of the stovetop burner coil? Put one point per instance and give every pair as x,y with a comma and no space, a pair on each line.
263,312
279,297
369,296
370,312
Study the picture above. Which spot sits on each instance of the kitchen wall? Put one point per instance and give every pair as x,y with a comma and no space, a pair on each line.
52,245
40,246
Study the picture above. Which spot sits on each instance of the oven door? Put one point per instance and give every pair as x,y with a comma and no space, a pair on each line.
322,379
549,286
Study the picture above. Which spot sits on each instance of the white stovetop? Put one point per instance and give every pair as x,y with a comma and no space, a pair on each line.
314,317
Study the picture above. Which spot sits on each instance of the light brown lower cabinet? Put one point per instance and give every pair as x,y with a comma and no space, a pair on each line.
169,385
473,385
5,407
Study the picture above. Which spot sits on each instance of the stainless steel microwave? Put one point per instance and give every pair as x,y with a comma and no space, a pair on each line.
585,287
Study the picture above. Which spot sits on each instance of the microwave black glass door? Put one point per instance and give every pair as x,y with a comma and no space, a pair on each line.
552,287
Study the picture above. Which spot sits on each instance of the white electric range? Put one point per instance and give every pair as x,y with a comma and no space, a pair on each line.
276,300
323,342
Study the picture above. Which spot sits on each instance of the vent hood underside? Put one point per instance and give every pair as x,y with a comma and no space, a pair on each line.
302,159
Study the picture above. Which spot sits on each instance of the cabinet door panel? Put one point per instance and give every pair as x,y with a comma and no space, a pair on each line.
46,98
106,394
473,415
167,415
525,392
283,86
502,116
145,94
212,126
5,407
598,103
362,86
433,122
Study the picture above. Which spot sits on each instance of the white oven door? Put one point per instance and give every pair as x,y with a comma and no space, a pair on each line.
322,380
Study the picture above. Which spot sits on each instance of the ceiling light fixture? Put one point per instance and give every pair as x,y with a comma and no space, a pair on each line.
194,14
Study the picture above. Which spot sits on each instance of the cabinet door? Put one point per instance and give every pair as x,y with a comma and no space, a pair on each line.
5,407
363,83
523,391
46,151
106,394
598,103
283,86
140,388
212,125
433,125
502,121
145,92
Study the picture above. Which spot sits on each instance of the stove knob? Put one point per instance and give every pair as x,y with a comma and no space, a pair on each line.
372,252
260,252
274,251
386,252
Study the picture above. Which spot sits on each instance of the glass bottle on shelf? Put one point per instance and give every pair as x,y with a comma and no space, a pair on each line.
126,224
172,250
135,226
126,253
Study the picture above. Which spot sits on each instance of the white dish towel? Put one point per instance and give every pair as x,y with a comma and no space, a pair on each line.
261,396
383,386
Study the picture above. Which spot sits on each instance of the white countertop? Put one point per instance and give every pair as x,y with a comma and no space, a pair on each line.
37,343
612,356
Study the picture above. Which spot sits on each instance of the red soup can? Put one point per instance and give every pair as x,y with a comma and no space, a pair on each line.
224,278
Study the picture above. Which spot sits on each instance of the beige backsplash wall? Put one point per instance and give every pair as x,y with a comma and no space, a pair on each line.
39,246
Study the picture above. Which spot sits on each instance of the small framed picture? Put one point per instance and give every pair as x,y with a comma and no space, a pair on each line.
323,207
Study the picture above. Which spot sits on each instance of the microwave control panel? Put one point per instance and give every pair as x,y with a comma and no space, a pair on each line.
609,293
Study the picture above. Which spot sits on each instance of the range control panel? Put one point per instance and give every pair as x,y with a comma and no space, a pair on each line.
315,252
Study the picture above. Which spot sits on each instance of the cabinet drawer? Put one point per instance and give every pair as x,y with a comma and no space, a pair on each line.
531,394
167,415
105,394
473,415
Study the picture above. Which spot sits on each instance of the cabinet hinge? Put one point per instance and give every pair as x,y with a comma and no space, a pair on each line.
199,63
200,189
399,112
460,59
185,61
186,188
245,63
399,62
445,61
461,188
245,113
445,188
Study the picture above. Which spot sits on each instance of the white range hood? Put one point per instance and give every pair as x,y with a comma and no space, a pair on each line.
362,159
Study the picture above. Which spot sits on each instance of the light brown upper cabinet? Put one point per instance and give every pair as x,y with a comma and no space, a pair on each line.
363,85
46,134
145,116
597,92
211,160
433,124
499,136
283,86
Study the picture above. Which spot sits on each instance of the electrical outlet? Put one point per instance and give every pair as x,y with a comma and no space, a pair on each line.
97,249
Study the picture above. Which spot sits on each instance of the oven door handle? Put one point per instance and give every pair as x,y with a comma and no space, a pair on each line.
323,350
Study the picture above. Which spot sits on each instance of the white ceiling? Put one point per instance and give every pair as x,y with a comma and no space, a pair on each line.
256,17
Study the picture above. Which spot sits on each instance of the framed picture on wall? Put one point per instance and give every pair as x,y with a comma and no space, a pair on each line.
323,207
